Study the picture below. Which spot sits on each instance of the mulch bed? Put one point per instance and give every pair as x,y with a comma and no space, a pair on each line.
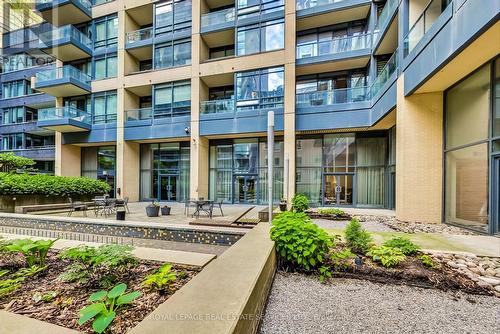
317,215
72,297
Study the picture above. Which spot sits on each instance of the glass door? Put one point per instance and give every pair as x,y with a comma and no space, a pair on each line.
168,188
495,207
338,189
245,189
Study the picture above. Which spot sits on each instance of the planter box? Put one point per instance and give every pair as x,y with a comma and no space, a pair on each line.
11,202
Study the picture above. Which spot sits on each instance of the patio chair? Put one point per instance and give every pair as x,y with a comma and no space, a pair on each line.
217,203
123,204
77,206
188,203
99,204
109,208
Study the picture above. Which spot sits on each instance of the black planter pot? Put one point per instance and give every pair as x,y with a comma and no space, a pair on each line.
120,215
165,211
282,207
152,210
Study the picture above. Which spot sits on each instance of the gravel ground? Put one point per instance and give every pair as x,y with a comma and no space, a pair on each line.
372,226
300,304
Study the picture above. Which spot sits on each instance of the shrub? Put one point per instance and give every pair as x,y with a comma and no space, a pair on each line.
358,239
324,273
10,285
49,185
387,256
9,162
299,242
97,265
35,252
300,203
331,212
404,244
340,259
161,278
104,307
427,261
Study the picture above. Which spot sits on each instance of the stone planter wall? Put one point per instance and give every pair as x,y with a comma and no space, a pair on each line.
9,203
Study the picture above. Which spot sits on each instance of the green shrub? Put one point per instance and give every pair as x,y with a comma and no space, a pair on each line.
35,252
9,162
10,285
49,185
427,261
341,259
300,243
97,264
324,273
387,256
104,307
358,239
331,212
300,203
404,244
161,278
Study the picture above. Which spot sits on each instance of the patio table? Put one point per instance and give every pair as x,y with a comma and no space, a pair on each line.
200,207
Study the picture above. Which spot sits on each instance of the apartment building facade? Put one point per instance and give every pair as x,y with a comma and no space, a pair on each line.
379,104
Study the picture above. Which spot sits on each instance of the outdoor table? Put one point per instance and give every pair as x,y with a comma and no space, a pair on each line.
200,206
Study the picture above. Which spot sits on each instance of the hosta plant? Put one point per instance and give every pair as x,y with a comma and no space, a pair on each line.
35,252
404,244
387,256
161,278
105,305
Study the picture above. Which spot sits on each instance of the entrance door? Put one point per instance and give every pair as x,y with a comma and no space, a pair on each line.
495,204
245,189
168,188
338,189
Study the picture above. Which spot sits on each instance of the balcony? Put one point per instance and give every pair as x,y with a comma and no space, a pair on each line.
217,106
385,74
63,81
333,55
320,13
61,12
332,97
139,38
219,20
385,33
40,153
65,119
144,123
66,43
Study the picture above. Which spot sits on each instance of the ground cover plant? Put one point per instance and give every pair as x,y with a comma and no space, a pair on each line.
120,301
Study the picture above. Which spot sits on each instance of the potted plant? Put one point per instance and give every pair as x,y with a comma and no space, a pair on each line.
165,210
153,209
283,204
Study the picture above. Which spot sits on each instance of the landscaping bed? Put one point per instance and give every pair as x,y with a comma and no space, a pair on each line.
328,214
50,297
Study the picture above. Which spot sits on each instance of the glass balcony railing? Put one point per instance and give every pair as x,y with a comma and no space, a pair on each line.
334,46
138,114
49,114
305,4
423,23
66,72
384,16
67,31
330,97
389,68
217,106
85,3
218,17
139,35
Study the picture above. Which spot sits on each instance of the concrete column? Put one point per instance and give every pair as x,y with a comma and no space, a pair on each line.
289,110
419,156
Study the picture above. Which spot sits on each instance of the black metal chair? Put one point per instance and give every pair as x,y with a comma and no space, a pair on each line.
217,203
77,206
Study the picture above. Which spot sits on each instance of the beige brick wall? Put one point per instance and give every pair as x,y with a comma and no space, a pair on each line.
419,156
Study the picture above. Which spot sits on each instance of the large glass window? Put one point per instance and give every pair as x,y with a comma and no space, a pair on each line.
14,115
176,53
17,62
370,171
104,107
496,101
106,32
100,163
173,16
260,89
105,67
172,99
16,88
12,141
266,36
308,162
466,155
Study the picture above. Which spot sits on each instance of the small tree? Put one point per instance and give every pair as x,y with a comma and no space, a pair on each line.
9,162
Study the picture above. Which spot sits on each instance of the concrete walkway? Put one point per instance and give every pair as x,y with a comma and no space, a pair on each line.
476,244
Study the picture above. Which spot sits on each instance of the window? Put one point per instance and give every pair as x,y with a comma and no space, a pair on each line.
173,16
13,115
220,52
176,53
266,36
99,163
248,8
105,67
106,32
16,88
172,99
260,89
104,107
12,141
17,62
